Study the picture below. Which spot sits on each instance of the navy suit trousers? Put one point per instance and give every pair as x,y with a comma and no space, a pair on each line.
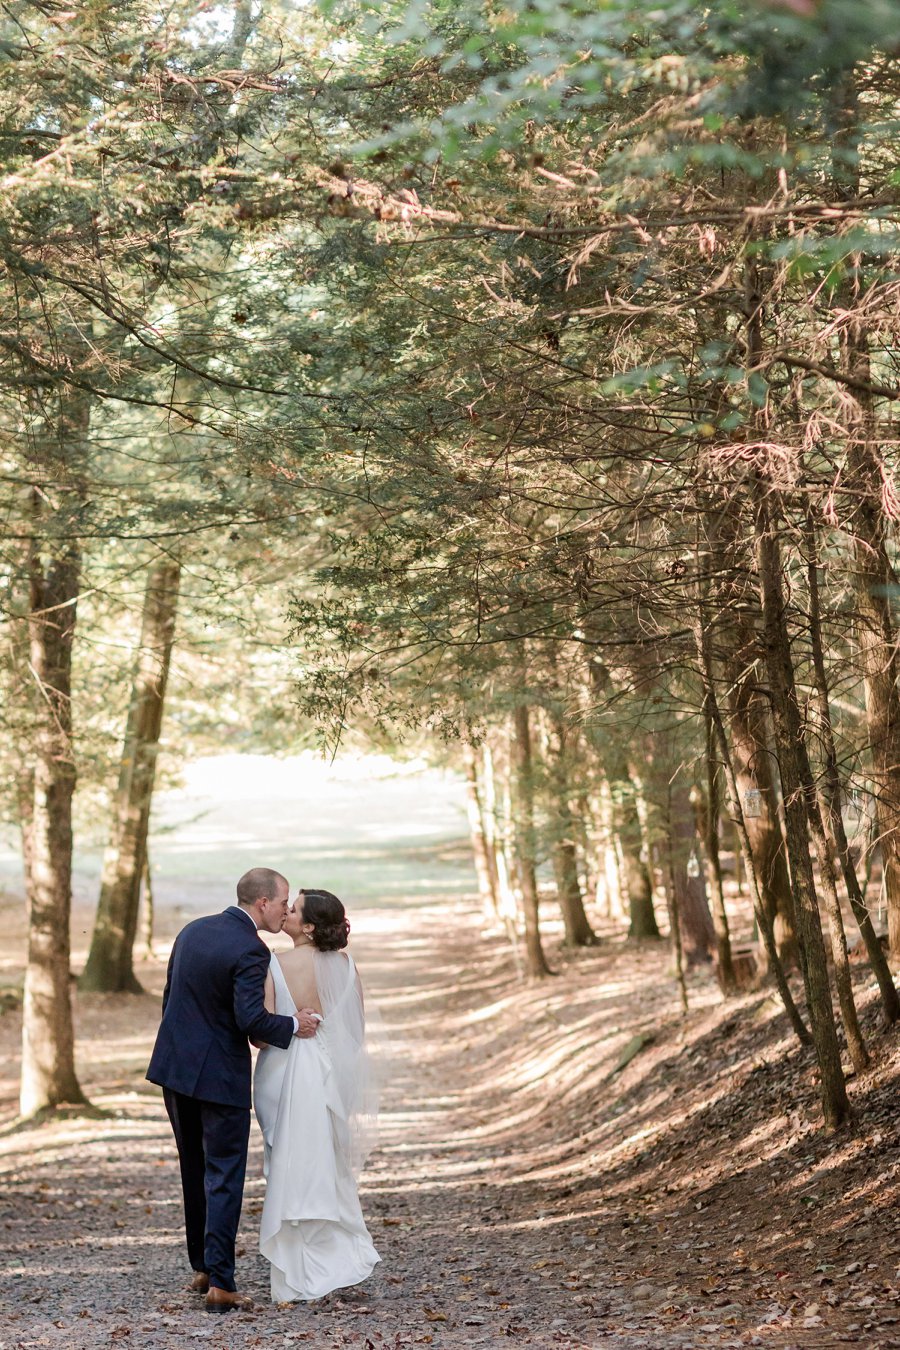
212,1150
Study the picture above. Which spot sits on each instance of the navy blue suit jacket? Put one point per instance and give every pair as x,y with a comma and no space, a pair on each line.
213,1002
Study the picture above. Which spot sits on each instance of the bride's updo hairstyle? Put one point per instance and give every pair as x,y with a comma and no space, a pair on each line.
328,918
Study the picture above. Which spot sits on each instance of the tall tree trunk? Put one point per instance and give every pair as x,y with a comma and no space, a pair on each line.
23,679
498,819
873,576
629,831
577,925
584,815
630,837
738,653
873,585
843,980
148,911
698,937
487,886
641,916
110,964
706,822
753,767
492,844
801,808
702,641
839,955
524,840
796,781
25,812
48,1050
738,864
578,931
610,898
831,791
674,894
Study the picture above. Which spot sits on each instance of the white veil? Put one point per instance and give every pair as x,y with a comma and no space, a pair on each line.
345,1038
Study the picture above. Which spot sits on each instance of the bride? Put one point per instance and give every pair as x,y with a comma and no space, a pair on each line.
315,1104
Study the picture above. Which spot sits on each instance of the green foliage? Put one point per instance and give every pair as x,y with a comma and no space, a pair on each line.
505,70
432,321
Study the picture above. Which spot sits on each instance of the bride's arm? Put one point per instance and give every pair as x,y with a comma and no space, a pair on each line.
269,1002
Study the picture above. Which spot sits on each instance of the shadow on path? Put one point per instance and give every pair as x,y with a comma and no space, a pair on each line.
525,1191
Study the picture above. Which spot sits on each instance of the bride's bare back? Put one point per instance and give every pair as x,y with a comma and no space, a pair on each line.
298,969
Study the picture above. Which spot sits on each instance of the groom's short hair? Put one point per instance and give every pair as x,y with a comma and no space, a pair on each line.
258,884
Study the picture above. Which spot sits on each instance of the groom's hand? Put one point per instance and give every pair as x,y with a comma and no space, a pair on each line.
307,1023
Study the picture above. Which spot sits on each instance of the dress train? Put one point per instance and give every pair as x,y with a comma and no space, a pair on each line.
312,1229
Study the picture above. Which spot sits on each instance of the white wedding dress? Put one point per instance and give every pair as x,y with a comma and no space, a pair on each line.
313,1106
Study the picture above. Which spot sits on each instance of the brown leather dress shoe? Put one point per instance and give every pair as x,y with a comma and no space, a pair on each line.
200,1283
225,1300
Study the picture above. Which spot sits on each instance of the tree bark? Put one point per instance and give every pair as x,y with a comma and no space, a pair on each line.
753,768
487,883
698,937
48,1050
797,787
492,842
830,793
610,898
843,980
762,915
585,820
524,840
577,925
839,955
578,930
625,819
676,921
874,583
641,916
873,576
706,821
149,910
110,964
796,781
738,655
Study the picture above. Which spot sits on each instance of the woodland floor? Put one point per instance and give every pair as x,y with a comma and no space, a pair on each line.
525,1190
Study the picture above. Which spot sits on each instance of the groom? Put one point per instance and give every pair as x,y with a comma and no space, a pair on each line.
212,1004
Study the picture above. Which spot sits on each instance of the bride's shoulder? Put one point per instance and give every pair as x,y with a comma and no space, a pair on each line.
296,956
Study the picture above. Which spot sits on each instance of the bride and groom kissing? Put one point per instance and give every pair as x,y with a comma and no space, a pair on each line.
312,1089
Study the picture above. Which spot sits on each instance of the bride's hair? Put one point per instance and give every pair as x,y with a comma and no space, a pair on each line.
328,918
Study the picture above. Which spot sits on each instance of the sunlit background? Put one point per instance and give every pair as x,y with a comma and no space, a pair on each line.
374,831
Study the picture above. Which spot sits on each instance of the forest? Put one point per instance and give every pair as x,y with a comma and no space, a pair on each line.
512,382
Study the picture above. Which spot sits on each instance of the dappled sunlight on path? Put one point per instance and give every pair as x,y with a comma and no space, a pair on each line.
563,1163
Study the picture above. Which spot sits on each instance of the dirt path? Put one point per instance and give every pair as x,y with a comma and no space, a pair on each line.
531,1188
